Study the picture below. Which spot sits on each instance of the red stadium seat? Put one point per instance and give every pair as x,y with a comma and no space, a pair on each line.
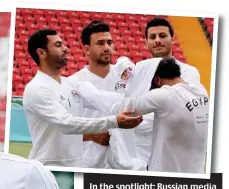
121,25
133,47
16,71
52,20
209,21
18,48
34,69
179,56
21,56
95,16
49,12
40,19
72,68
64,22
112,24
25,71
129,40
84,15
17,79
176,49
85,22
54,26
146,54
107,17
126,33
61,13
38,12
122,46
129,17
24,64
210,30
27,78
42,26
114,31
135,26
137,33
29,19
123,52
26,11
18,11
72,15
119,17
20,89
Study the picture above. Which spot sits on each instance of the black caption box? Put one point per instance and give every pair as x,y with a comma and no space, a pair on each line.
110,181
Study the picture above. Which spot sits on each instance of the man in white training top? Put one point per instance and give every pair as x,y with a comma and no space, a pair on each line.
48,100
180,118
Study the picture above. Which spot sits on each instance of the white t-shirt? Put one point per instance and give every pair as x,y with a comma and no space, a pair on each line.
20,173
180,126
144,132
110,83
47,106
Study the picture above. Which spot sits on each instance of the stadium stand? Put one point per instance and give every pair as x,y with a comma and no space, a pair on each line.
207,25
127,31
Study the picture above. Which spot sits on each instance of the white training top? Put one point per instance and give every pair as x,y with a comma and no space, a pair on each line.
143,133
110,83
180,126
20,173
51,125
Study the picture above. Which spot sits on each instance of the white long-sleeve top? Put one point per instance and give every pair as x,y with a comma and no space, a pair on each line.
95,154
180,124
143,133
20,173
53,129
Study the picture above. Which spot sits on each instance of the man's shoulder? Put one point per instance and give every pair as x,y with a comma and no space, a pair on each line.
79,73
28,168
186,66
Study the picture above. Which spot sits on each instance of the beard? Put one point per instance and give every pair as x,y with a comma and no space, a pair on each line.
103,61
57,62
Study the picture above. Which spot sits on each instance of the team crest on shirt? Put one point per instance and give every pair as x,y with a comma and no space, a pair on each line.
75,94
119,85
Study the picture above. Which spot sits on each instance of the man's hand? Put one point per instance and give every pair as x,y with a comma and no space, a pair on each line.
102,139
127,121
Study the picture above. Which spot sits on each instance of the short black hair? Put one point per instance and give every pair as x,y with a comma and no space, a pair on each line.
95,26
158,22
168,69
39,40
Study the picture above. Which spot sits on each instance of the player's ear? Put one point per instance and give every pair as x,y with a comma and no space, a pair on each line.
41,52
157,81
86,49
173,39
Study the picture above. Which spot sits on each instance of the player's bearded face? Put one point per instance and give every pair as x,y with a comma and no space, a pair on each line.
101,48
56,52
159,41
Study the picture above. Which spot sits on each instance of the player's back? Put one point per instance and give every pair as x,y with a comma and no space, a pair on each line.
180,135
20,173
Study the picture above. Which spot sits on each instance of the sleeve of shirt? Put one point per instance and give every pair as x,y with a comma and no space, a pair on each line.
156,101
41,102
40,177
153,101
98,99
